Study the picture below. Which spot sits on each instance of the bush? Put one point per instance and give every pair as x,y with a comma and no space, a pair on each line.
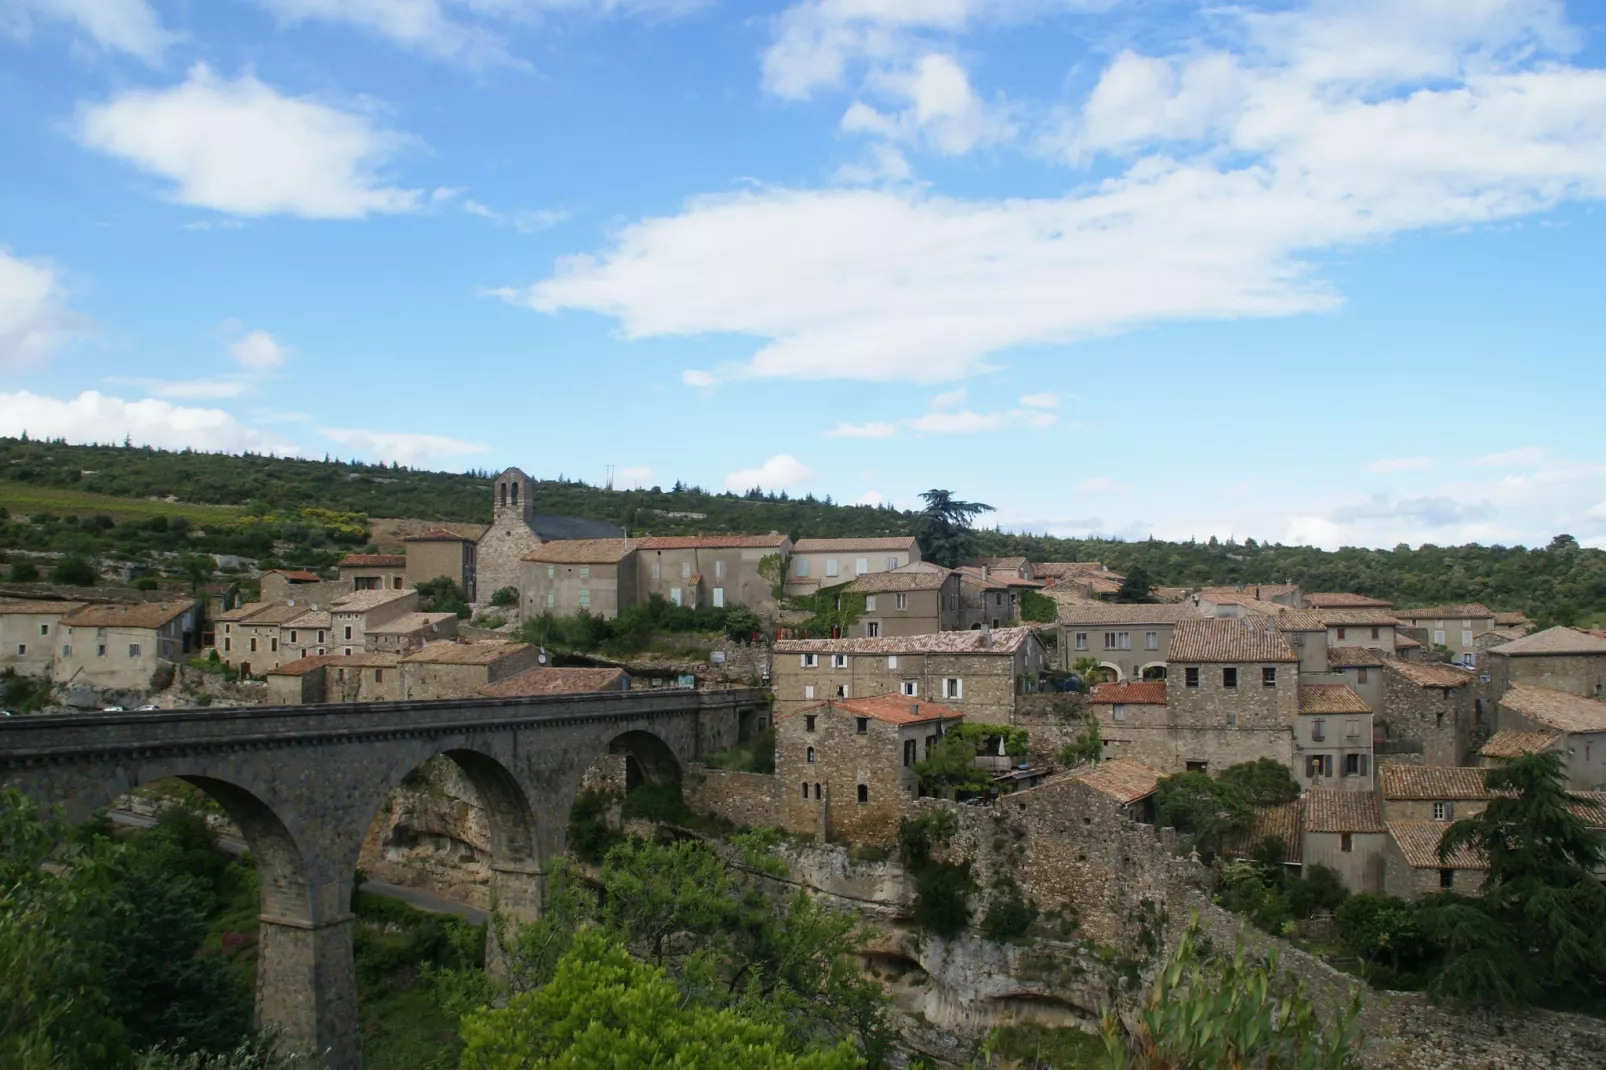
505,596
74,571
942,889
146,583
1010,915
1262,782
590,834
24,572
1038,608
661,803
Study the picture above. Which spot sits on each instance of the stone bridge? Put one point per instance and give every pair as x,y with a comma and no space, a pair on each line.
304,783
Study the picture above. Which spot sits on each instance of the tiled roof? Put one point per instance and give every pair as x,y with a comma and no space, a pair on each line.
1430,673
1066,569
872,582
1404,642
549,681
1260,592
1466,611
243,612
893,709
1097,614
1330,698
1399,781
1557,640
1300,620
315,618
583,551
845,546
373,561
771,541
1344,600
1230,597
1168,594
363,601
1511,619
1419,843
295,575
972,575
1011,563
437,535
1126,780
1132,693
1557,709
1342,811
1353,657
1002,641
1357,618
302,666
1286,822
448,653
1250,639
274,615
142,615
1591,807
410,622
27,606
371,659
1511,743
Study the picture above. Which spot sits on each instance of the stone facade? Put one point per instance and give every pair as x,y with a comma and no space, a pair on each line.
1430,714
499,553
817,563
436,553
1132,641
29,634
747,800
300,589
374,572
1229,714
917,600
459,670
1581,674
353,614
709,570
563,578
124,648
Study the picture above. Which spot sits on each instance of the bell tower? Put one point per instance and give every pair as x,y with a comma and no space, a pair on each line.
511,496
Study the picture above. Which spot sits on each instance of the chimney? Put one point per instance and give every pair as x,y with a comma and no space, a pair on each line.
914,708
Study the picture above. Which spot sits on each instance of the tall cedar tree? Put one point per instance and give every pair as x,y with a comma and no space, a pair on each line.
943,528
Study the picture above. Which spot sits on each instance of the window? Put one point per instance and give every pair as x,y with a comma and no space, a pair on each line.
1081,640
1118,712
1352,727
1438,638
379,676
100,650
864,794
891,563
900,601
1443,811
44,629
1232,718
861,566
1197,767
1341,633
1377,633
1151,640
1190,676
1360,676
869,602
1268,676
839,661
830,566
841,690
861,725
292,637
348,635
22,648
808,722
810,759
1229,676
1438,624
1318,729
719,598
273,644
719,568
551,599
892,661
818,794
1438,720
1446,878
66,650
1352,765
657,573
910,688
254,645
1346,842
348,654
1466,622
808,691
805,789
396,583
953,687
872,629
320,637
1466,638
1109,640
810,660
908,753
674,596
585,597
228,644
1123,640
802,567
552,571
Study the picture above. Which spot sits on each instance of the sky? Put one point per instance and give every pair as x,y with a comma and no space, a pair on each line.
1322,272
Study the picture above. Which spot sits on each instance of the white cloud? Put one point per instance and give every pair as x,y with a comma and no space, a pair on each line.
525,221
1400,464
244,148
1522,457
218,389
698,379
130,26
1046,400
869,430
870,497
1237,170
96,417
634,478
965,422
949,399
34,318
403,447
1100,485
257,352
934,106
781,472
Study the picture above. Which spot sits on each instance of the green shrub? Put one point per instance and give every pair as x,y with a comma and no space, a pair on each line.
661,803
146,583
74,571
1010,914
590,833
24,572
505,596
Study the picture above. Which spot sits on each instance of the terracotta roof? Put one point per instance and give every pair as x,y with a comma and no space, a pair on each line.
1353,657
1557,640
1261,592
1430,673
1342,811
1250,602
1556,709
140,615
1003,562
315,618
295,575
42,606
893,709
410,622
447,653
1300,620
972,575
1511,619
1399,781
1344,600
373,659
1465,611
1418,841
302,666
1003,641
771,541
843,546
1126,780
583,551
243,612
1591,807
1357,618
1131,693
437,535
1286,822
1095,614
1511,743
373,561
363,601
873,582
549,681
1229,640
1403,641
1168,594
273,615
1330,698
1066,569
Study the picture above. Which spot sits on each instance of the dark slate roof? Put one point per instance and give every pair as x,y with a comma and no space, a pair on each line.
555,528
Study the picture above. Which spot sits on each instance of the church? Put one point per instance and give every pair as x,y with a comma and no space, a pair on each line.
516,529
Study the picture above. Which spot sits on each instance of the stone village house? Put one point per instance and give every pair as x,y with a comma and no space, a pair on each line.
1131,641
918,600
1455,628
1431,713
517,529
1563,659
1232,692
438,553
1578,722
117,647
819,563
457,670
28,631
374,572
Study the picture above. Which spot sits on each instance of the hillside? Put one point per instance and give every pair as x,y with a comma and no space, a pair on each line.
1559,582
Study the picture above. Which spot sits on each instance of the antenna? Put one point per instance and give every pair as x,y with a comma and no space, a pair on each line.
609,484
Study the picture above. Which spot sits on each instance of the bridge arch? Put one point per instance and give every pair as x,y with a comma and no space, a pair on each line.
648,759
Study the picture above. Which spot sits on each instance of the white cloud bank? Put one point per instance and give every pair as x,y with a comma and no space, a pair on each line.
34,318
129,26
403,447
96,417
244,148
781,472
1337,125
255,352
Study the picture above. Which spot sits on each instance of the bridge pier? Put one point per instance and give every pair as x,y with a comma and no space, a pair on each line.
307,988
518,890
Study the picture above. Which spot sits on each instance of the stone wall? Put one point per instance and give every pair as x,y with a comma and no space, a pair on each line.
1051,722
433,833
1441,720
1580,674
744,799
836,782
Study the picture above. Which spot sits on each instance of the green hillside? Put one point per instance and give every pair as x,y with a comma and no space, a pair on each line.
1558,582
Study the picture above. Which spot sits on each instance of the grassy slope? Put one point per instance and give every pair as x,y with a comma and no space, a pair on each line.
24,499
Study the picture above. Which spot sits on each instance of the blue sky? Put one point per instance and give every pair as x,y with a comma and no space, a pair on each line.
1320,272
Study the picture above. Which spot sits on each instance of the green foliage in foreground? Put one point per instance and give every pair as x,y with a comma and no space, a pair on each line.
1263,889
1262,782
1209,810
1037,608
